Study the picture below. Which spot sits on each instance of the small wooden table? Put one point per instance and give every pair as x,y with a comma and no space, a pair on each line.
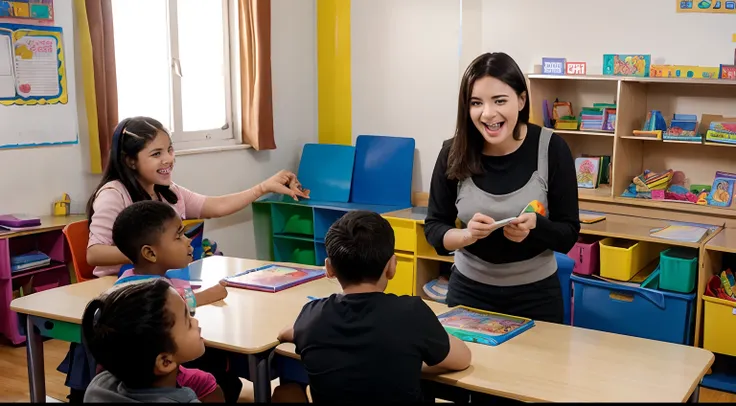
559,363
246,322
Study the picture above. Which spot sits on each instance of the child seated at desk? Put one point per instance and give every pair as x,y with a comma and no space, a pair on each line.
150,234
141,333
365,345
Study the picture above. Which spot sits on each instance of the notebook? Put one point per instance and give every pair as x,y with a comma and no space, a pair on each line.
482,327
273,278
675,232
12,221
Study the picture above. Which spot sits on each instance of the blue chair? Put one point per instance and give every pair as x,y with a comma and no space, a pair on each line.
564,270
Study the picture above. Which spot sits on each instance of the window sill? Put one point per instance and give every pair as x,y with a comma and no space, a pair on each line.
205,150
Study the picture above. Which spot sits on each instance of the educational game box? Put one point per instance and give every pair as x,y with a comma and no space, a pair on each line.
273,278
478,326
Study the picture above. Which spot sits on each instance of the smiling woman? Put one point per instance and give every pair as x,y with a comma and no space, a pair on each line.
495,165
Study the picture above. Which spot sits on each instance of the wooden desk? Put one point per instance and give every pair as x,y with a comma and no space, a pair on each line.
558,363
246,322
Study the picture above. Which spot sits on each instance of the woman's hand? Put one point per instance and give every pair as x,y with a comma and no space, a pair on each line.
519,229
479,227
285,183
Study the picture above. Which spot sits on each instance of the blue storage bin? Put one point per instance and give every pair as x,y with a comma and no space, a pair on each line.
565,265
633,311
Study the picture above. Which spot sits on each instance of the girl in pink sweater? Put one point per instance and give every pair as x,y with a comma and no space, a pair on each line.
140,168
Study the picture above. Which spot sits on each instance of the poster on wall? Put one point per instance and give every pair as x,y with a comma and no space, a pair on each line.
706,6
33,12
32,68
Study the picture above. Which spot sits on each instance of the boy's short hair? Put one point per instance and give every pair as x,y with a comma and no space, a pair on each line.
359,245
139,224
127,328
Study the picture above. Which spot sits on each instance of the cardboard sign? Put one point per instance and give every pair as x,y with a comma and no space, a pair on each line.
553,66
576,68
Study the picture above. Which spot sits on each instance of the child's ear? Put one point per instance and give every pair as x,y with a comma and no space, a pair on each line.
390,269
130,162
164,364
329,270
148,253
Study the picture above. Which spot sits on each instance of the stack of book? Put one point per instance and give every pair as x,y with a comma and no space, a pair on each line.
30,260
600,117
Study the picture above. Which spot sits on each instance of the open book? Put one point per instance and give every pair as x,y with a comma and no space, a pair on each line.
273,278
482,327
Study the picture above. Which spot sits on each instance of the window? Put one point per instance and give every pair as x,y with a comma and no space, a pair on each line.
173,64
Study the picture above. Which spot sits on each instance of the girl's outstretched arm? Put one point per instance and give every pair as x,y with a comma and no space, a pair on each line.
284,182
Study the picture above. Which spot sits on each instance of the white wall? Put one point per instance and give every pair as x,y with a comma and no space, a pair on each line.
404,61
30,179
580,30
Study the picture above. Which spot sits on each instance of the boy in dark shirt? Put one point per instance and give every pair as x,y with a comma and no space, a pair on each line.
365,345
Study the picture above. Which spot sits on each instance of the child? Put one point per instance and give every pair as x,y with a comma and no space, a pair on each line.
139,168
364,345
141,333
151,235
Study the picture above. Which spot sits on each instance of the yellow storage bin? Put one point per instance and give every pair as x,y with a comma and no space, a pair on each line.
719,328
403,281
404,233
621,259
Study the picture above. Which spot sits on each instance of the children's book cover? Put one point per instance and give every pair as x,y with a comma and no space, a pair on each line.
273,278
587,169
478,326
721,194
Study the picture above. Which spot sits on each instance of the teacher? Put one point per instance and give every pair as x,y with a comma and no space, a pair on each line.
494,166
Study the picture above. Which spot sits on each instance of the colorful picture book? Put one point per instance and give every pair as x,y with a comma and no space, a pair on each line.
274,278
588,171
482,327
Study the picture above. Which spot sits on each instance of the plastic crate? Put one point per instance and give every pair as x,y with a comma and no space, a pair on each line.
678,267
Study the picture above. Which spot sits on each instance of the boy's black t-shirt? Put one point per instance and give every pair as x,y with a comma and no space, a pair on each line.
368,346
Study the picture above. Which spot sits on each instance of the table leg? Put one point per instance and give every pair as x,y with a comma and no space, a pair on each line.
695,397
260,375
34,354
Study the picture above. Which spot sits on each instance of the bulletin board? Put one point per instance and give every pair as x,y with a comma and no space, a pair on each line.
34,94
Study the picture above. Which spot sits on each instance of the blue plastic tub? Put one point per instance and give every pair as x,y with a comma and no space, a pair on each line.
633,311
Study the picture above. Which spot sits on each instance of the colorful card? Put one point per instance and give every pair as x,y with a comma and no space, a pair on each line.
482,327
274,278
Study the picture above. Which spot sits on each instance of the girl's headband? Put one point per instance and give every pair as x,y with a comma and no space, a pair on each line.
117,135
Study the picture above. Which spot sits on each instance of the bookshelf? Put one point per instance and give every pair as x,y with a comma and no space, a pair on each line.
630,156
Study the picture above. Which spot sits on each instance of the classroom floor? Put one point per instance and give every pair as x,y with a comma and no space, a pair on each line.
14,375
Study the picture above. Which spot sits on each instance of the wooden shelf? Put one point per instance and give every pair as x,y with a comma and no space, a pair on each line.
632,230
601,194
715,82
582,132
635,97
725,241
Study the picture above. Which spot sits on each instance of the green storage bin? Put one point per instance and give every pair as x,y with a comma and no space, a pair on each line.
678,269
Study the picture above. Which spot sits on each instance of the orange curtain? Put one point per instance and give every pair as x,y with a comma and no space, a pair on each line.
99,19
254,22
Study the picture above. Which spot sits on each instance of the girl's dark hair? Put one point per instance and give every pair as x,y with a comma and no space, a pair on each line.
467,144
130,137
127,328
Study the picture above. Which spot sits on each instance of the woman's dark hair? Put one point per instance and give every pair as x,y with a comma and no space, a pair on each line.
130,137
127,328
467,144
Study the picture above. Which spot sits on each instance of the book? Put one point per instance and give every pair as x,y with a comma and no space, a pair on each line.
18,221
29,260
676,232
590,217
273,278
483,327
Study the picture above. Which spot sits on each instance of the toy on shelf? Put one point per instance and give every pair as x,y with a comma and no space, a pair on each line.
721,286
684,71
654,126
683,128
209,248
564,118
626,65
62,207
